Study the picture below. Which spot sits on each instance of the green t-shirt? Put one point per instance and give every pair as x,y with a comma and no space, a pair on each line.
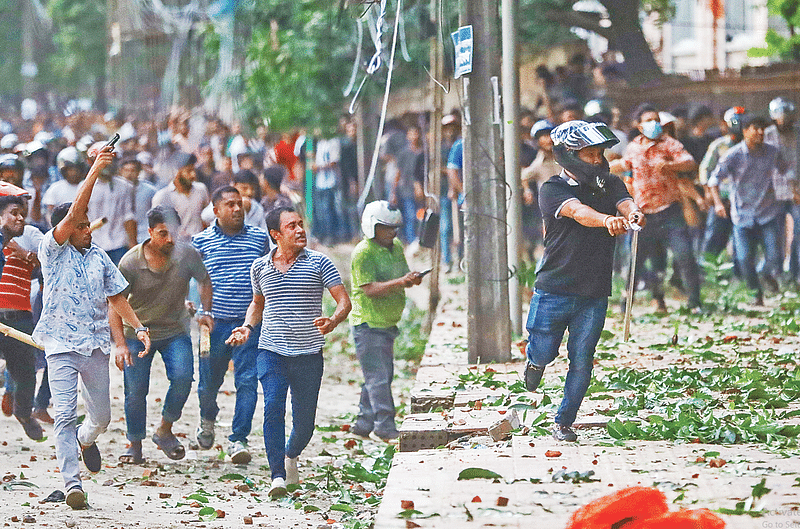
373,263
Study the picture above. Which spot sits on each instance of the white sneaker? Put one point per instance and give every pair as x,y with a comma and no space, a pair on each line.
239,453
205,434
292,476
277,488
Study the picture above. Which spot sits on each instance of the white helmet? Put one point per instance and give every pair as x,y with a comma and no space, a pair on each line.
68,156
9,141
379,212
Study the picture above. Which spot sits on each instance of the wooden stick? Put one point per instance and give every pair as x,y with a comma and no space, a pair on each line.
19,335
626,332
205,341
99,223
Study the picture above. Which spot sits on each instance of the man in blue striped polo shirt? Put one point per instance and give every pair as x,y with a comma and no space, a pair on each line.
228,248
288,285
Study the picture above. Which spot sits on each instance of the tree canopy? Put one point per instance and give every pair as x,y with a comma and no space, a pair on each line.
787,48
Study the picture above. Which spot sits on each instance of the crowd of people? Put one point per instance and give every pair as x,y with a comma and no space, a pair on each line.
193,208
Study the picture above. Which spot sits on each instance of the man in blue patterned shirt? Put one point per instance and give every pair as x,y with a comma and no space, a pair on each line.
228,248
288,285
80,283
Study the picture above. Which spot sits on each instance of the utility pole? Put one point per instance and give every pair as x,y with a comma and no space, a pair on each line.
511,146
435,165
488,327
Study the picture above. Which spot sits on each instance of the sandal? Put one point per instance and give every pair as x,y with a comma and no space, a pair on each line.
170,446
132,456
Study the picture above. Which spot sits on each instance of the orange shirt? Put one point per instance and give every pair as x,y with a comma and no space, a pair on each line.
653,189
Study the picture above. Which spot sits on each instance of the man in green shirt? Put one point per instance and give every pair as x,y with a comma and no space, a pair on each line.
158,272
380,276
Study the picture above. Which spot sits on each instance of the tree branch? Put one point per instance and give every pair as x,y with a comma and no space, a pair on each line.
582,19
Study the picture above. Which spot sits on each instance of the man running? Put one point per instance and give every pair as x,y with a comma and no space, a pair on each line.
80,284
158,273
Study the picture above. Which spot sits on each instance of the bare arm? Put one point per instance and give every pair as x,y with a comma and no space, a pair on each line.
455,182
119,304
130,230
591,218
680,167
122,355
240,335
384,288
79,206
206,297
343,306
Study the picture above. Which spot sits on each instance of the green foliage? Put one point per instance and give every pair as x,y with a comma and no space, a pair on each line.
297,73
11,29
80,38
786,48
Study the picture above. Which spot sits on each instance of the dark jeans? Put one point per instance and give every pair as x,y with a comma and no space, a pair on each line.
549,316
718,232
375,353
408,208
212,373
20,361
278,374
116,255
664,229
747,239
176,352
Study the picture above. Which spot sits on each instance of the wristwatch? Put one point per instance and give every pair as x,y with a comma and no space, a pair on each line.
137,330
249,327
205,313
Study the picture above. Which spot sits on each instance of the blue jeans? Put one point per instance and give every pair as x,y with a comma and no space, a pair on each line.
303,375
327,215
116,255
375,353
176,352
408,208
747,239
212,373
664,229
446,229
718,231
549,316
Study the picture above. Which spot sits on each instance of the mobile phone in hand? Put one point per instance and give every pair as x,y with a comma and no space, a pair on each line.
425,272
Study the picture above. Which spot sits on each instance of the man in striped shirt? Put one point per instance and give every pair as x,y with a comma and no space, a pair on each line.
228,248
288,285
15,291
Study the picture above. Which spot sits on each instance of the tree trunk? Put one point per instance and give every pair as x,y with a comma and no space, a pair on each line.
101,102
626,35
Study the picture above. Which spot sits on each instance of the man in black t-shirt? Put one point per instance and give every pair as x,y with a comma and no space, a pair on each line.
573,280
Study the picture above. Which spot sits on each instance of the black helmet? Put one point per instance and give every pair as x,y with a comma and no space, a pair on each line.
571,137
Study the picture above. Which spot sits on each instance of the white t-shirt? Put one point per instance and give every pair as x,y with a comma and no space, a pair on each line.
59,193
189,207
114,201
328,152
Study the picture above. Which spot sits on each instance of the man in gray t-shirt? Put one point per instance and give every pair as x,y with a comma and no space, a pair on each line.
158,272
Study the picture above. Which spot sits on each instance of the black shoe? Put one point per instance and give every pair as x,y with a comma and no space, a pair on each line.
771,283
564,433
91,456
32,428
388,436
533,376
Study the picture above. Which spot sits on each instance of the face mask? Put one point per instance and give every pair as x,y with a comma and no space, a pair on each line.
652,129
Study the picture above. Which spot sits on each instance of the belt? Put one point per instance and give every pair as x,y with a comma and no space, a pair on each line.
12,315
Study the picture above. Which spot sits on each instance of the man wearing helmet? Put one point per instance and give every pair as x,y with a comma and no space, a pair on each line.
781,134
380,276
70,164
718,229
756,211
583,209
